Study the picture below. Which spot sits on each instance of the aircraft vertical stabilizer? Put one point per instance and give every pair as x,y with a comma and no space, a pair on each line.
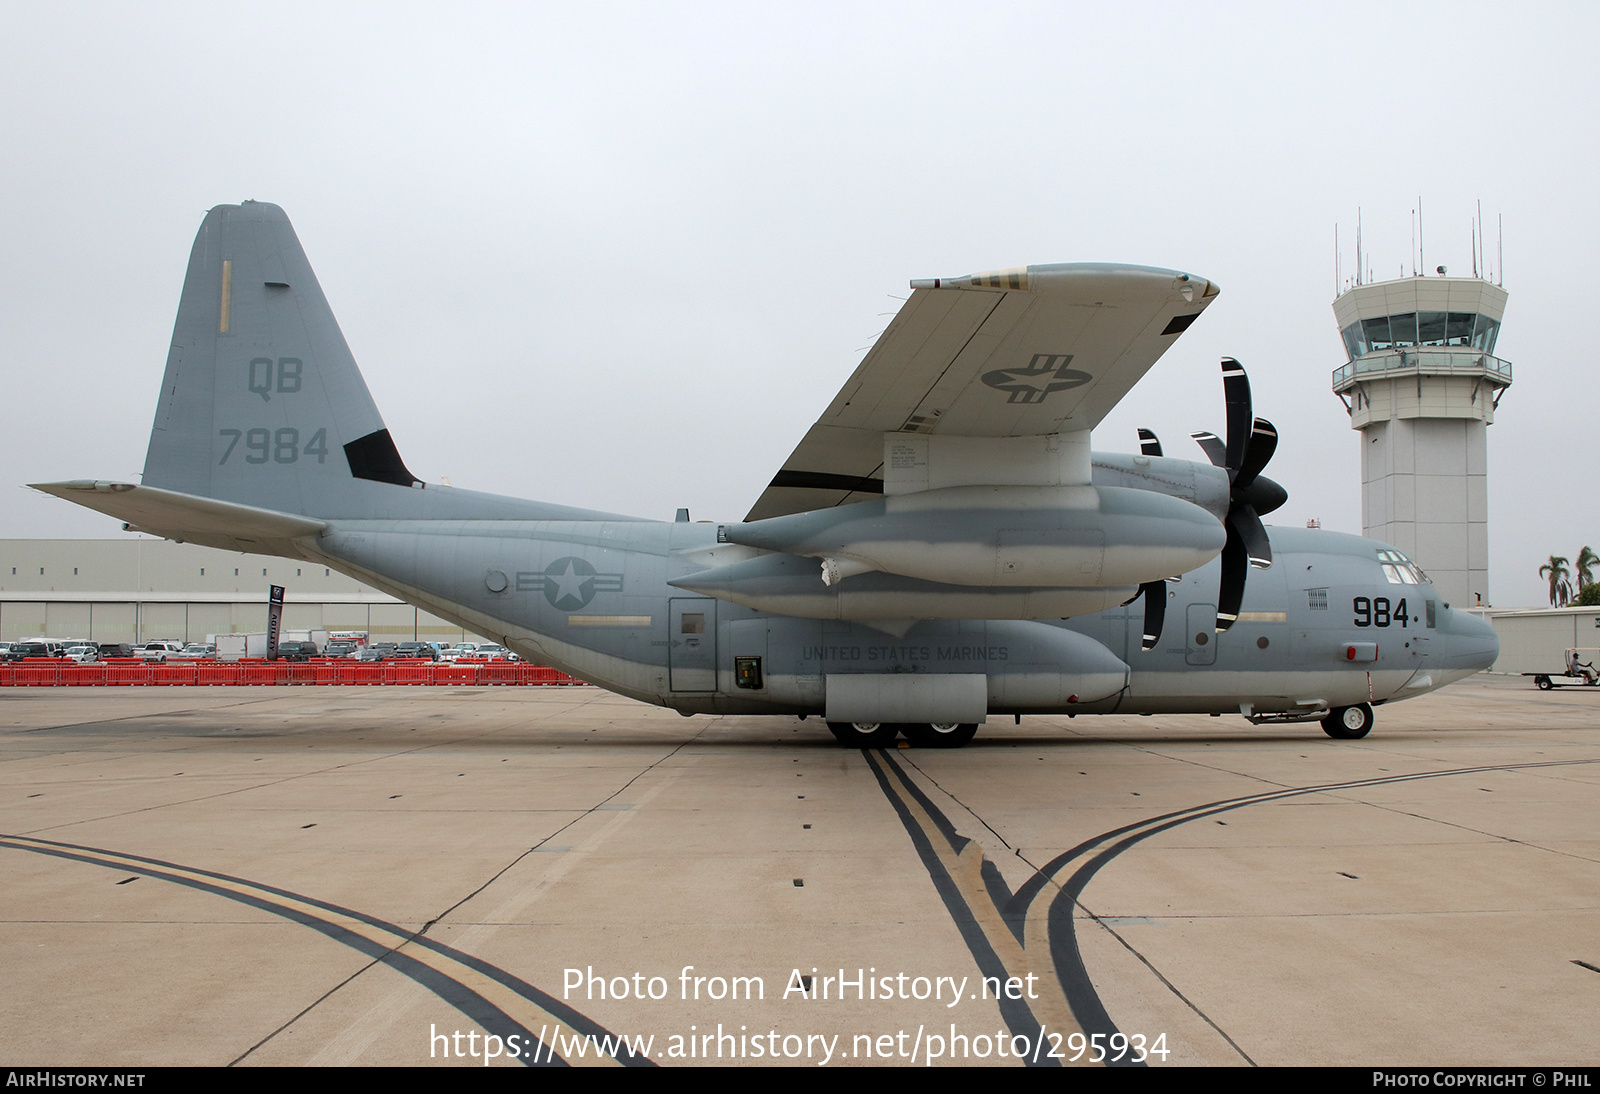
259,377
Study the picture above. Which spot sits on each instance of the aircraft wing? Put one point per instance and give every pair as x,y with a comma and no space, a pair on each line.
1024,352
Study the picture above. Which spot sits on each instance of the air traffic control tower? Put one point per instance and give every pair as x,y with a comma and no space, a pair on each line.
1422,384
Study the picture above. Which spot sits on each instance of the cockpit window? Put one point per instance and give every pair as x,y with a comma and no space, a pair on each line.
1400,570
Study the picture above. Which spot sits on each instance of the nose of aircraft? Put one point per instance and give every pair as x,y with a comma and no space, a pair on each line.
1471,644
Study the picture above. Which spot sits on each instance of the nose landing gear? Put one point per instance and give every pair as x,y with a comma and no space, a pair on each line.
1348,723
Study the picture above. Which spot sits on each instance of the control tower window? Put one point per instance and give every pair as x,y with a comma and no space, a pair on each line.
1429,328
1377,332
1484,335
1355,340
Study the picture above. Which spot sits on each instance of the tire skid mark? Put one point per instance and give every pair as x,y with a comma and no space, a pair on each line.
1074,978
974,894
499,1002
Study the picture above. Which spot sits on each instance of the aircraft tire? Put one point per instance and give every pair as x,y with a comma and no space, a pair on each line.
1348,723
946,735
1543,683
864,734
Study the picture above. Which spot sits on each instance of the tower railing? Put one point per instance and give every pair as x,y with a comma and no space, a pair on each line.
1415,360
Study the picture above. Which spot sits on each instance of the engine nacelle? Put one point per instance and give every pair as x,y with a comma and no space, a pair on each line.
1008,536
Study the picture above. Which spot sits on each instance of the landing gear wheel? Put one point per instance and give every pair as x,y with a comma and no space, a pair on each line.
940,735
1348,723
864,734
1543,682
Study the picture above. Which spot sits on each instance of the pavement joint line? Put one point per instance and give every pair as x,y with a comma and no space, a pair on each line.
1170,986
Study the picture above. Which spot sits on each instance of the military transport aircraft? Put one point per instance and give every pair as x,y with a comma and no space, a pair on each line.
941,547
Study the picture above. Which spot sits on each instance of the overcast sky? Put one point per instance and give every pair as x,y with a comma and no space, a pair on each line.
621,256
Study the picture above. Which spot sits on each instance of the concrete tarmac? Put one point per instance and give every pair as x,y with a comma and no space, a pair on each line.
428,876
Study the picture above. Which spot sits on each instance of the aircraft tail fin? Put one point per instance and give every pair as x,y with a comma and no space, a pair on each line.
262,403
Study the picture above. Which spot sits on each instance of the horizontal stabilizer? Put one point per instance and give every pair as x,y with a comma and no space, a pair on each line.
186,518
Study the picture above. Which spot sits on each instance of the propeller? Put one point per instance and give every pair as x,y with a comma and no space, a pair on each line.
1250,444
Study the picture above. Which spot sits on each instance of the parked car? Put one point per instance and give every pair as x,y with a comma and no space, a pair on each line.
81,654
197,651
21,651
160,652
343,648
117,649
417,651
298,651
378,651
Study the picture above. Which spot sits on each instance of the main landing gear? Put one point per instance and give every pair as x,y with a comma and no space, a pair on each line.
882,734
1348,723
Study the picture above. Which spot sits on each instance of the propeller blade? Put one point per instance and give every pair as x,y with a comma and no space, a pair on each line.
1236,389
1149,443
1155,611
1258,549
1263,443
1213,447
1235,567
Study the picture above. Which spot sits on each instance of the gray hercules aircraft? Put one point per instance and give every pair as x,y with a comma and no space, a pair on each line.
942,546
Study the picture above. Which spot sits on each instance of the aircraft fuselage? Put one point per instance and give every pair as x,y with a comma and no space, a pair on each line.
1325,627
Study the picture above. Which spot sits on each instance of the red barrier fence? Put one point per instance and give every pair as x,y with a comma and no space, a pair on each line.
50,672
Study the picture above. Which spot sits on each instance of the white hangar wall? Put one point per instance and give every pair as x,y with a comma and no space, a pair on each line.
141,589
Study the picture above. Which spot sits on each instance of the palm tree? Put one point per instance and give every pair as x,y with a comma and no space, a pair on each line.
1581,569
1556,569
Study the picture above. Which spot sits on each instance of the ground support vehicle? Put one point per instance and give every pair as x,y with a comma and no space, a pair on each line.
1578,673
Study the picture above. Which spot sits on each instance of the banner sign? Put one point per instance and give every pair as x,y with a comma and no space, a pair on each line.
274,621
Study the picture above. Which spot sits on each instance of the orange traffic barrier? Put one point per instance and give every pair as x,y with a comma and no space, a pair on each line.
50,672
360,672
172,674
127,672
260,672
38,672
217,672
408,672
500,672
